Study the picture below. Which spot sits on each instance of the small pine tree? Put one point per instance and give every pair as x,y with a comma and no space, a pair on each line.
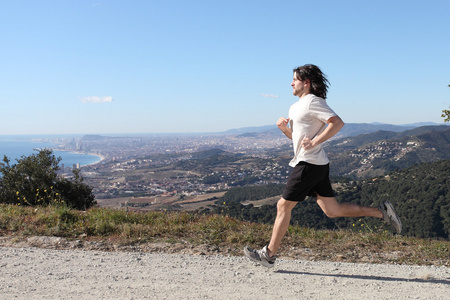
446,113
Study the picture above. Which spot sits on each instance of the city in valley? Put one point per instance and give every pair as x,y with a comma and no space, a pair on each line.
178,171
191,171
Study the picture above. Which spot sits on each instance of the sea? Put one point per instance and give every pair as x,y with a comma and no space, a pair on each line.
14,147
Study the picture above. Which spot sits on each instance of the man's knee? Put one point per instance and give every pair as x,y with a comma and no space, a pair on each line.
285,205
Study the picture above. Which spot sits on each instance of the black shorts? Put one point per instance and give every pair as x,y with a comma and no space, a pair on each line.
308,180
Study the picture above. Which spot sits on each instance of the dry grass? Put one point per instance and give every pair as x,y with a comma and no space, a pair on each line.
222,234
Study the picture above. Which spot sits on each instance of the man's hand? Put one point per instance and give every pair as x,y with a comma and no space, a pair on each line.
282,124
307,143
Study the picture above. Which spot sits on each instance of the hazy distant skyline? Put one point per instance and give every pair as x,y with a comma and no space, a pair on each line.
85,67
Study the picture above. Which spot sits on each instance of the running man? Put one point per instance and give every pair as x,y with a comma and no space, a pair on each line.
311,122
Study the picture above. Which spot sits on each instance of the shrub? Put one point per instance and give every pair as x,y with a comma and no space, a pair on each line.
33,181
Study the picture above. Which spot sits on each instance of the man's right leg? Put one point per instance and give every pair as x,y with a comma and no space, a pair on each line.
284,209
265,256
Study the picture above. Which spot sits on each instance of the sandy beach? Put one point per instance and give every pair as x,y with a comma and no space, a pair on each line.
35,273
101,157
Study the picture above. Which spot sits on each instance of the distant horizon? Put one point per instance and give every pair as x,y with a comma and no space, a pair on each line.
72,135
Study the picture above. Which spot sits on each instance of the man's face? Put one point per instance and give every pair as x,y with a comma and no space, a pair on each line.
300,87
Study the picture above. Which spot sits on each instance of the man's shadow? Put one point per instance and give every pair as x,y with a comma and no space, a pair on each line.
380,278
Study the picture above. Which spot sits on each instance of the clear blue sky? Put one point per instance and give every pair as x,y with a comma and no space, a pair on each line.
205,66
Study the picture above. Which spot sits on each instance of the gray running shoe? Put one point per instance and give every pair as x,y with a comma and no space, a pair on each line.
390,216
260,256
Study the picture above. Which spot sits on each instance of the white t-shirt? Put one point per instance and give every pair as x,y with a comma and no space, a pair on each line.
308,118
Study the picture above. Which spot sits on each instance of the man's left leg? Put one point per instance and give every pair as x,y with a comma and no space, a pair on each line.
334,209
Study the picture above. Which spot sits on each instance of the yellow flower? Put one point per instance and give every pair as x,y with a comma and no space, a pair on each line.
17,193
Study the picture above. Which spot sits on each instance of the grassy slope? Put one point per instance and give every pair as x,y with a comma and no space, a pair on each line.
118,229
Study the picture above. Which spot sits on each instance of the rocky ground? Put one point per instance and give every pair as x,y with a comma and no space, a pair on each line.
54,268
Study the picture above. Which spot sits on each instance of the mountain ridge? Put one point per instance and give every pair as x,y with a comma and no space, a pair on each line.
350,129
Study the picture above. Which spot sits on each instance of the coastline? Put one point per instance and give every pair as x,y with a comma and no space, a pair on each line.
16,149
102,158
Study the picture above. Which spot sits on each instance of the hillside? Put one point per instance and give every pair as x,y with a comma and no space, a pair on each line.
421,195
173,181
337,145
377,153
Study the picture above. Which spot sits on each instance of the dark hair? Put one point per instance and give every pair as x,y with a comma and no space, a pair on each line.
319,83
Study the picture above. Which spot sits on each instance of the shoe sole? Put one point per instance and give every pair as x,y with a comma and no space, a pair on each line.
392,214
262,262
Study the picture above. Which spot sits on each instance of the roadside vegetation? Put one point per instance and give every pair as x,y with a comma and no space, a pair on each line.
33,181
120,229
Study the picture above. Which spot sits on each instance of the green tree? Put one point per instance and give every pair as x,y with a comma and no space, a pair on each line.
446,113
33,181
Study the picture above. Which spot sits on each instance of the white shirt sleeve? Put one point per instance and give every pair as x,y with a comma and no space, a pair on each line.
320,110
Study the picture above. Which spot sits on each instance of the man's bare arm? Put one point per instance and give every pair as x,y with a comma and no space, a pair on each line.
282,124
334,125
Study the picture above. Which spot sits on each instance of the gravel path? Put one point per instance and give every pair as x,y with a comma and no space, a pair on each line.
34,273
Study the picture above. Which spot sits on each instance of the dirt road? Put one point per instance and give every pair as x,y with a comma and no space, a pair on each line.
34,273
